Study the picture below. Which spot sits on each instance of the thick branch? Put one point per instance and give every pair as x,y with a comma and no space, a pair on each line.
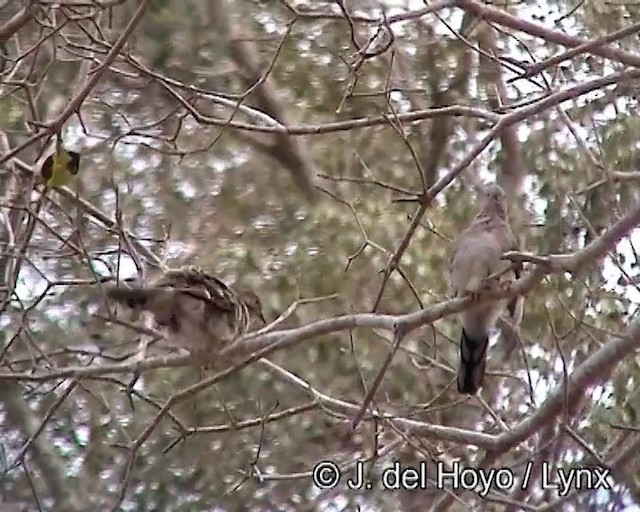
534,69
263,344
404,16
594,251
17,22
501,17
595,369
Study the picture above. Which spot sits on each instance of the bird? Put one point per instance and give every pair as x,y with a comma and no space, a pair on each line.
477,254
60,167
194,309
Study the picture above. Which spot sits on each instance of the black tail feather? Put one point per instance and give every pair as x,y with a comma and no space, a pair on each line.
473,358
135,298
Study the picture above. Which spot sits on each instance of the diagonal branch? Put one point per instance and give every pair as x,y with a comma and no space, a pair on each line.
20,19
398,337
507,120
501,17
534,69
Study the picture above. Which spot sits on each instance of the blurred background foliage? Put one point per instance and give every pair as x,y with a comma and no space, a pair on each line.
226,199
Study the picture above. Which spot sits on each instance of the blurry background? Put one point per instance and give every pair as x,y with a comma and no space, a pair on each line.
186,159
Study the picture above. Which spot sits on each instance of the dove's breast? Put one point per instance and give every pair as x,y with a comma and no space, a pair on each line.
475,258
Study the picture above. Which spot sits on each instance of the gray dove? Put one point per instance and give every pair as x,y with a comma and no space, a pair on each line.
194,309
476,256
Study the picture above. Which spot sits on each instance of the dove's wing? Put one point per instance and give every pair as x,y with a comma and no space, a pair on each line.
476,256
197,310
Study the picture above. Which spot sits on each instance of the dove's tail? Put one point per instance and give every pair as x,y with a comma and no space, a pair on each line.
473,358
144,299
161,302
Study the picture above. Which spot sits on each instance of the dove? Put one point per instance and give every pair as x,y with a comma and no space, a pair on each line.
194,310
477,255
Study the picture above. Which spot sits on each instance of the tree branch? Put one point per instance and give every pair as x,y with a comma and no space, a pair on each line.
501,17
20,19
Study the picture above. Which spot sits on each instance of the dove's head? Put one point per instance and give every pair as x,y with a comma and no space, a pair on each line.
254,306
494,201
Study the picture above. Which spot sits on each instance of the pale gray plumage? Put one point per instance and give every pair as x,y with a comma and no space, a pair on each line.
194,309
477,255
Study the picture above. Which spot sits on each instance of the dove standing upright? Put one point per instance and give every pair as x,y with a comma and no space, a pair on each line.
196,310
476,256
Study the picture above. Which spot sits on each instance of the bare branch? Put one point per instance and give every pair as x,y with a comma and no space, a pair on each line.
501,17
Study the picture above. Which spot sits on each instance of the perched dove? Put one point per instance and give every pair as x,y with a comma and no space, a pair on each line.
195,310
476,256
